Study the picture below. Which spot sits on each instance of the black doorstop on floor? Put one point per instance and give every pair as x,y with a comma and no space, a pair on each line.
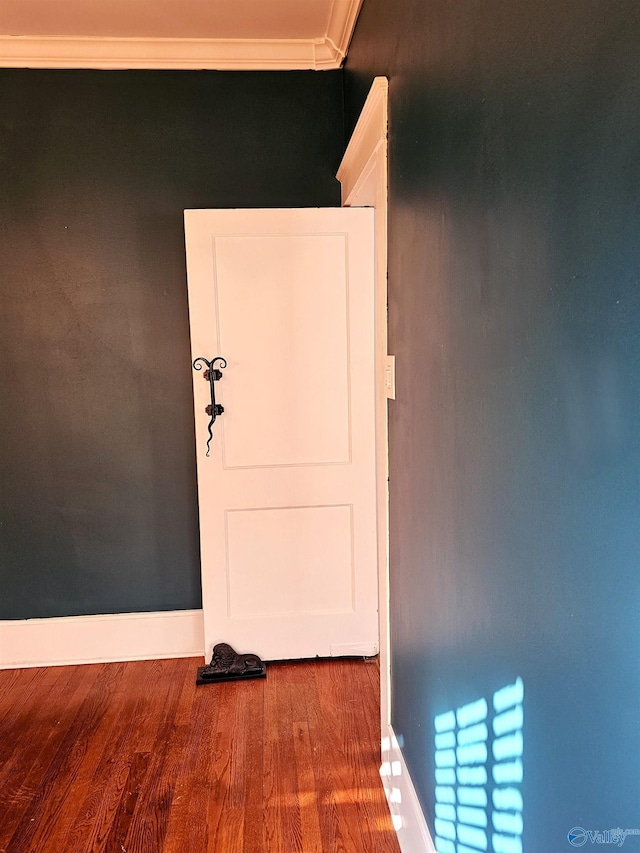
227,665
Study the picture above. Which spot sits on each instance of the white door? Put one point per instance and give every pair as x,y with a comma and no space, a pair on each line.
287,496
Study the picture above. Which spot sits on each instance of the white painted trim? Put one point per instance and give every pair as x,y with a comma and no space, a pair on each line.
363,175
100,639
323,53
205,54
364,179
369,134
342,22
406,812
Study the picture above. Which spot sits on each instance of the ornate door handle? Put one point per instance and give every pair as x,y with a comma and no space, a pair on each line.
212,374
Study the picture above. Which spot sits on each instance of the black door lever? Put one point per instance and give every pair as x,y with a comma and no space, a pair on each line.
212,374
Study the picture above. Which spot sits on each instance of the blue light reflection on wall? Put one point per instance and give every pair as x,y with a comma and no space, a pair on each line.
507,771
468,773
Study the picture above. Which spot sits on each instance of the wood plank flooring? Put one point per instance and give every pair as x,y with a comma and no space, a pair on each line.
133,758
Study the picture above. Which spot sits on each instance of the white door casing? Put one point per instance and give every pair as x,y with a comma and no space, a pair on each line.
364,180
287,497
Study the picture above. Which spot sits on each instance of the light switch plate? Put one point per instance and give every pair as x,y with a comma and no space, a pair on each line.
390,377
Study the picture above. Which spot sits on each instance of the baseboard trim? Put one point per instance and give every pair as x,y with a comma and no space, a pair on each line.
101,639
406,813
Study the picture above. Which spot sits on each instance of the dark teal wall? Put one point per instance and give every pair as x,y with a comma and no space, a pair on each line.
98,509
514,312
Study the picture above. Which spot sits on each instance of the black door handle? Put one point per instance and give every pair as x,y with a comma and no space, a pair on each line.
212,374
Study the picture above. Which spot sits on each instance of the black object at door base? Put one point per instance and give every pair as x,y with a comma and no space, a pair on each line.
227,665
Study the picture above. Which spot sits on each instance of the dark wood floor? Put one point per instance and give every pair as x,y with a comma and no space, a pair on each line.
133,758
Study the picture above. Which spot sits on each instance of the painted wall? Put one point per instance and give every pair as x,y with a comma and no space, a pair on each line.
98,508
514,312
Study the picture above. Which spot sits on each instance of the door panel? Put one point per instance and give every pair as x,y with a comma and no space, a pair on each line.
320,538
287,495
263,318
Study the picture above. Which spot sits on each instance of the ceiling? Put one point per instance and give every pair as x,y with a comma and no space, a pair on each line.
218,34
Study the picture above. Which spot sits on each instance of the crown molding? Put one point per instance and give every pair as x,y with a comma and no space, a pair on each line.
342,22
205,54
323,53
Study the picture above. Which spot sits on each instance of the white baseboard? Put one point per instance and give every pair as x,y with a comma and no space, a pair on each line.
406,812
101,639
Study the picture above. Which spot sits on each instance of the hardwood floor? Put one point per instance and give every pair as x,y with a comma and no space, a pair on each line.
133,758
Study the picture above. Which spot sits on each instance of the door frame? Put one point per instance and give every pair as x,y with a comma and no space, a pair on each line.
363,176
